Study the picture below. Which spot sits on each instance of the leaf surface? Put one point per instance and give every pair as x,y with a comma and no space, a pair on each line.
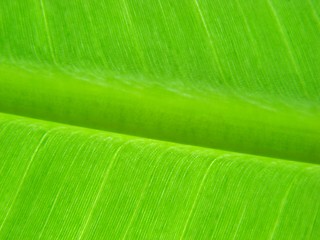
188,113
64,182
240,76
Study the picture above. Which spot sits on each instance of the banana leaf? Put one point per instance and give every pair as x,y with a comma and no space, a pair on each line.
159,119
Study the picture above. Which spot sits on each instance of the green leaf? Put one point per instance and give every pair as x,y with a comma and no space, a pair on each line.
75,183
208,73
238,76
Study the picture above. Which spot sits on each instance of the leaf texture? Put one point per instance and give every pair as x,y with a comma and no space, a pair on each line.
150,91
64,182
208,73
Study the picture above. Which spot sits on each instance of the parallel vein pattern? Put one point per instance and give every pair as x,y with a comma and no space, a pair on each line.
240,76
75,183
